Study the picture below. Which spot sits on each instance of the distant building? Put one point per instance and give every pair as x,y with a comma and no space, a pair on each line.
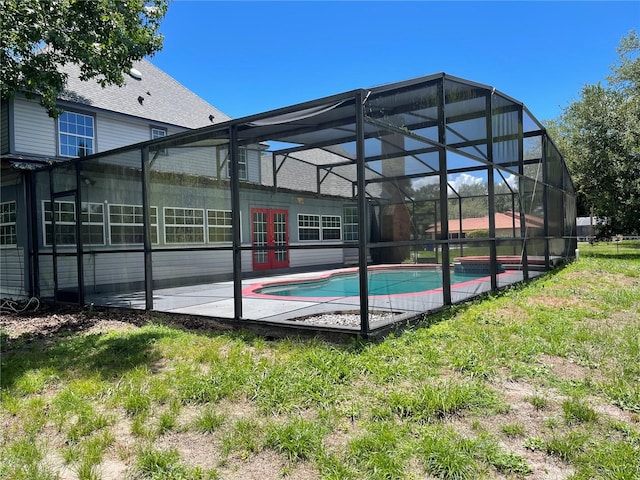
588,227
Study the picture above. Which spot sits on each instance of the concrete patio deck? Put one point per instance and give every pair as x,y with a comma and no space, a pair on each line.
216,300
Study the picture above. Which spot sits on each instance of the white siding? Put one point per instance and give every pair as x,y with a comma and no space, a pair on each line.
35,131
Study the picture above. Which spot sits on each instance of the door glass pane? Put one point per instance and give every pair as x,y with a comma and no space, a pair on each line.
259,236
280,235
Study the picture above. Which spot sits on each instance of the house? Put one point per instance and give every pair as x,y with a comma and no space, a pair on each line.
507,224
149,105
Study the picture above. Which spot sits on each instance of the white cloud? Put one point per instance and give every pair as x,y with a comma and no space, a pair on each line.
512,181
463,179
418,183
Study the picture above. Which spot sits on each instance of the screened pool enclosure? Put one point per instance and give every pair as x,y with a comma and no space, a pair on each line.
418,195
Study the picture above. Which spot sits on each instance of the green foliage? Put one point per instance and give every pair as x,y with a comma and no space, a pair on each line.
165,465
576,411
513,429
103,37
448,456
298,439
597,134
431,402
377,452
245,438
482,233
208,421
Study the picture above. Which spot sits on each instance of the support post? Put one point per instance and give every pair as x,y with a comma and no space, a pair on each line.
362,217
444,200
493,257
146,222
235,224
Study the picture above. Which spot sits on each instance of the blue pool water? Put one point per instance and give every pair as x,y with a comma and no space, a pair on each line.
381,282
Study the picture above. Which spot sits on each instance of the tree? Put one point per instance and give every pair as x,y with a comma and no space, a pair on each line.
599,136
103,37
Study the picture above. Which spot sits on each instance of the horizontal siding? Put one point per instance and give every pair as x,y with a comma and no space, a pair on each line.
4,127
114,133
108,269
67,274
12,272
309,257
29,118
168,265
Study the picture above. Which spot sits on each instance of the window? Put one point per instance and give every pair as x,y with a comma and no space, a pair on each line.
308,227
65,217
350,226
8,224
76,133
331,227
92,217
219,225
126,225
183,225
92,228
158,133
242,165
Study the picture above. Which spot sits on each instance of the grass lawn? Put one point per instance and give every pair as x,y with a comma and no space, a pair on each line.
539,382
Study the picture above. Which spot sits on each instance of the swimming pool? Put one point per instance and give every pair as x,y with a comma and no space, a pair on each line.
382,281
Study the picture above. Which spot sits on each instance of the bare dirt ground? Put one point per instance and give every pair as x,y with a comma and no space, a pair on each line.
52,319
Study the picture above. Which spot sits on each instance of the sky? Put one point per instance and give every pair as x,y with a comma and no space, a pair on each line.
249,57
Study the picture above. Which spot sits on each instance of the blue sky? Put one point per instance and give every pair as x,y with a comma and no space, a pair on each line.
249,57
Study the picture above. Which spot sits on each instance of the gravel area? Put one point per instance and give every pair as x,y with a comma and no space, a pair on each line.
345,319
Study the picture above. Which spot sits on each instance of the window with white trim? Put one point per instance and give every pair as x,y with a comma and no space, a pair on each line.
242,165
126,225
65,217
183,225
8,236
92,217
158,133
350,225
75,134
219,226
308,227
92,227
331,227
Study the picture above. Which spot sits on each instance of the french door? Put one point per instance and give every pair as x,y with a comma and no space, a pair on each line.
269,229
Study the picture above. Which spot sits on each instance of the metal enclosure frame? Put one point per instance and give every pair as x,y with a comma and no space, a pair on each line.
383,147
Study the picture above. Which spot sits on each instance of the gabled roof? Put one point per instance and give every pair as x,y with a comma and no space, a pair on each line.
155,96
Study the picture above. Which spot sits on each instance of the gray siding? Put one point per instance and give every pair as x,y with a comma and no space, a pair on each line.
308,257
35,131
4,127
12,272
116,131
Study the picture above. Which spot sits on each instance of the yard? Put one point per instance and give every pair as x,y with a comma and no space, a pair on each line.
541,381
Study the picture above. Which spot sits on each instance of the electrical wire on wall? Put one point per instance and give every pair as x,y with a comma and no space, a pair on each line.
16,306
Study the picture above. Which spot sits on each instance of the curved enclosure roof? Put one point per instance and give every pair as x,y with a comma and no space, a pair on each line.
436,170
